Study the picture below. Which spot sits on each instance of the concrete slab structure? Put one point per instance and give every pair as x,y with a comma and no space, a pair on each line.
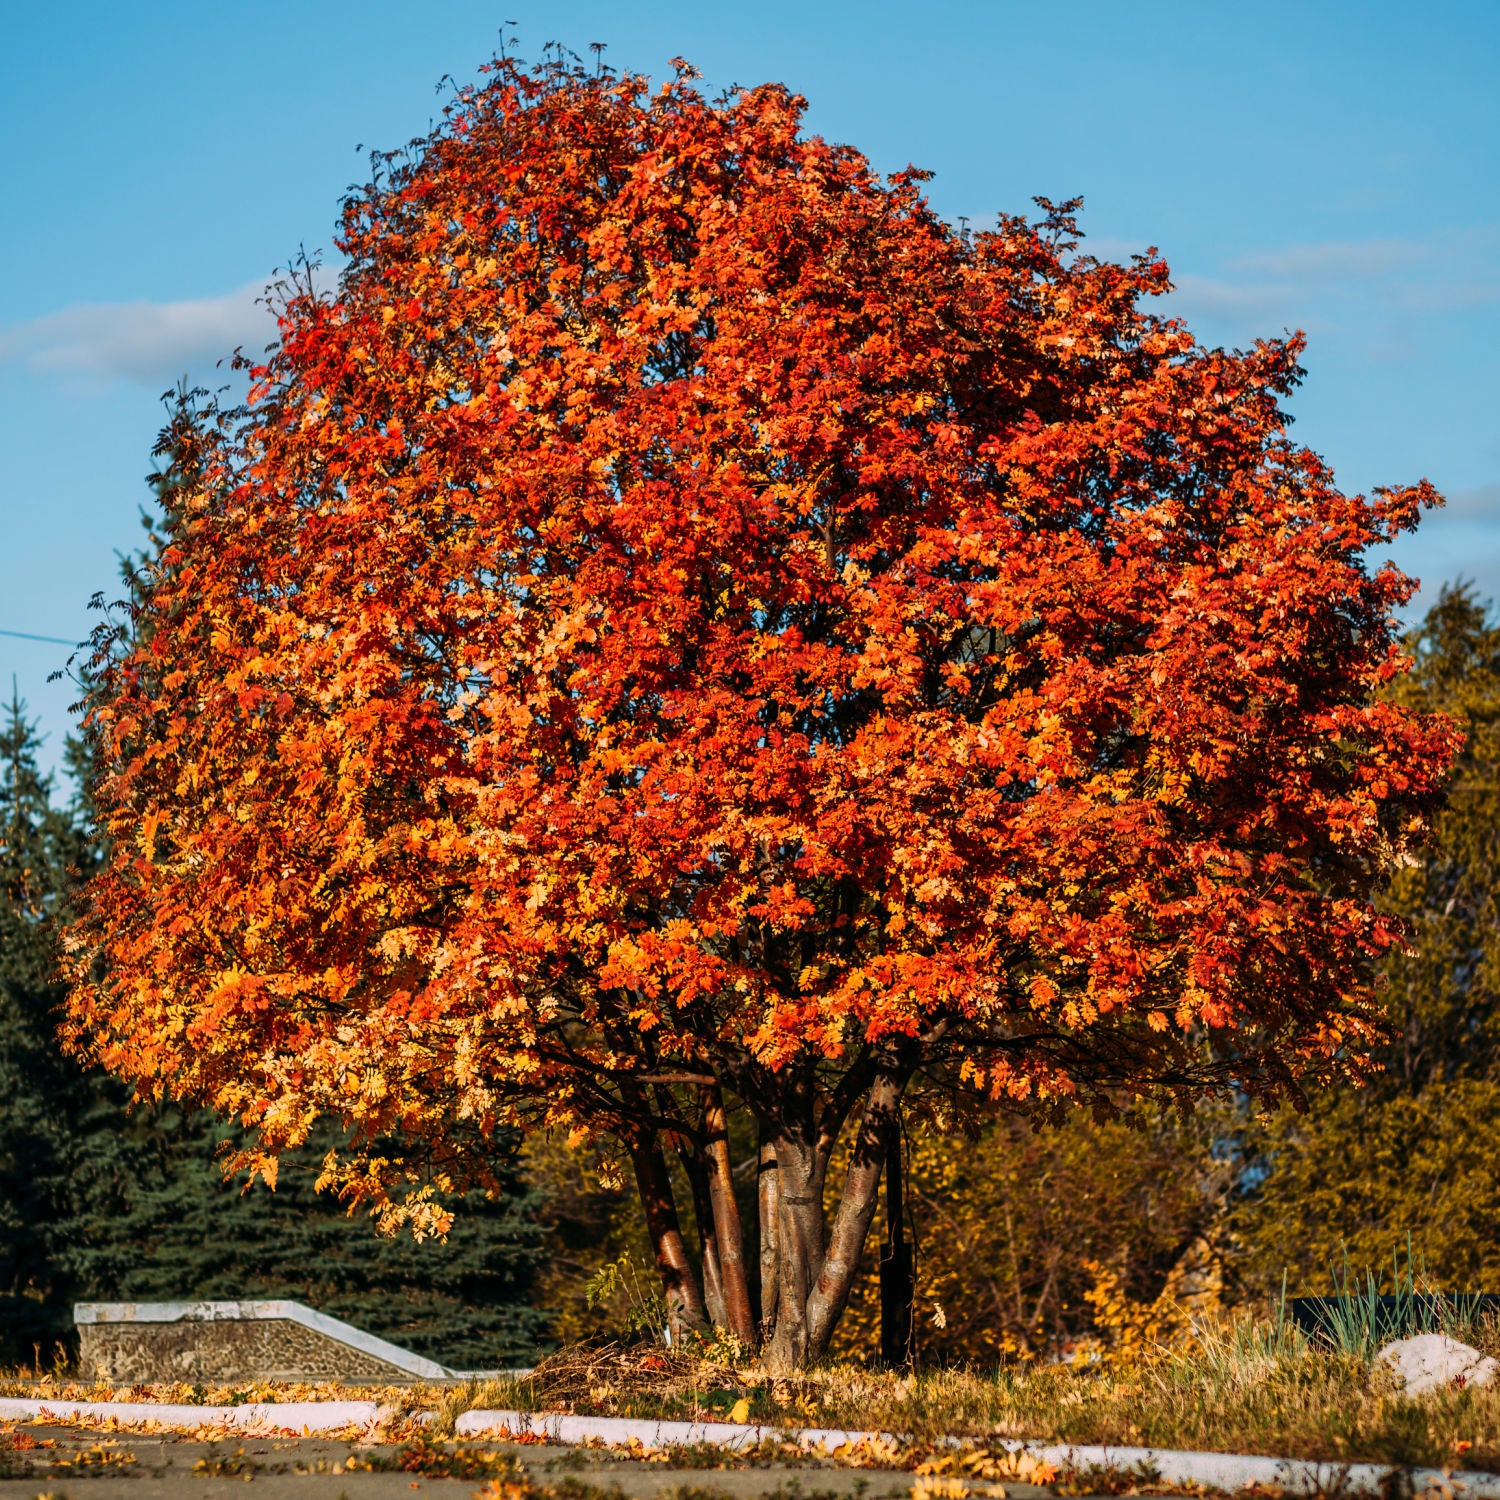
136,1342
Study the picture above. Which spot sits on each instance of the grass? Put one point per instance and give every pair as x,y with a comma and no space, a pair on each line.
1360,1317
1247,1388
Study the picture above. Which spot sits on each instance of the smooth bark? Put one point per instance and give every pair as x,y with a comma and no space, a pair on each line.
734,1284
857,1203
710,1253
815,1275
680,1289
768,1203
800,1247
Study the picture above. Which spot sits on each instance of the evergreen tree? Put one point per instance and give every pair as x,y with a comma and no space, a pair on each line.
1412,1152
45,1159
1445,995
29,1144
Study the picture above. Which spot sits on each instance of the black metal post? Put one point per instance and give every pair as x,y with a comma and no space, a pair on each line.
897,1284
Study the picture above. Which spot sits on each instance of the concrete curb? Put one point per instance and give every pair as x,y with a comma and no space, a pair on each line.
1234,1471
1224,1471
271,1416
562,1428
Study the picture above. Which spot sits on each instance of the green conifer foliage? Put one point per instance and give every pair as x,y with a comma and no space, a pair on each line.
1412,1153
45,1158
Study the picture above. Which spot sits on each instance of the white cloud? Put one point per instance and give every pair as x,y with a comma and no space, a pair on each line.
1482,505
1380,293
150,342
1334,260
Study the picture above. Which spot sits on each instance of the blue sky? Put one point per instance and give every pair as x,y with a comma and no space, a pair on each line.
1324,165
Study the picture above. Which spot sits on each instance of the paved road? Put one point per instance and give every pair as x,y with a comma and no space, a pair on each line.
119,1466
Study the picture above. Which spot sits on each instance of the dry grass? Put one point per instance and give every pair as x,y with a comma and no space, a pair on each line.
58,1384
59,1381
1245,1390
589,1376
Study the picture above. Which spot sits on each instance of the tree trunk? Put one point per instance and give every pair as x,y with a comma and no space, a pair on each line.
815,1283
726,1216
851,1225
708,1240
768,1202
679,1285
799,1234
897,1286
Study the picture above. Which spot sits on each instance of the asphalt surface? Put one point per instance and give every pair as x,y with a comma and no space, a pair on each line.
121,1466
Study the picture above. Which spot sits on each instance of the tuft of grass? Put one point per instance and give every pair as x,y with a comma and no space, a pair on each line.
434,1460
450,1402
1358,1318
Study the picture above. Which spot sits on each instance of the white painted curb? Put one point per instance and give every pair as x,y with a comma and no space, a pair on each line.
1226,1471
562,1428
1233,1471
275,1416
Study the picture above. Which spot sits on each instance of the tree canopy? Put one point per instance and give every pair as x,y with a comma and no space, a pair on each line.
680,629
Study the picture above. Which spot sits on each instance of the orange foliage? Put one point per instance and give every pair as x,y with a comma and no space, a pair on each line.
679,611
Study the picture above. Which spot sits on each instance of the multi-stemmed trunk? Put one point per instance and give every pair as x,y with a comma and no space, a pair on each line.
708,1237
807,1265
816,1273
726,1286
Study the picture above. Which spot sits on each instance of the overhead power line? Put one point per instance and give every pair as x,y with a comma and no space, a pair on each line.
25,635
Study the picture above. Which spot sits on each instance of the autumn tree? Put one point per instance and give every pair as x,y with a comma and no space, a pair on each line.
102,1201
680,630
